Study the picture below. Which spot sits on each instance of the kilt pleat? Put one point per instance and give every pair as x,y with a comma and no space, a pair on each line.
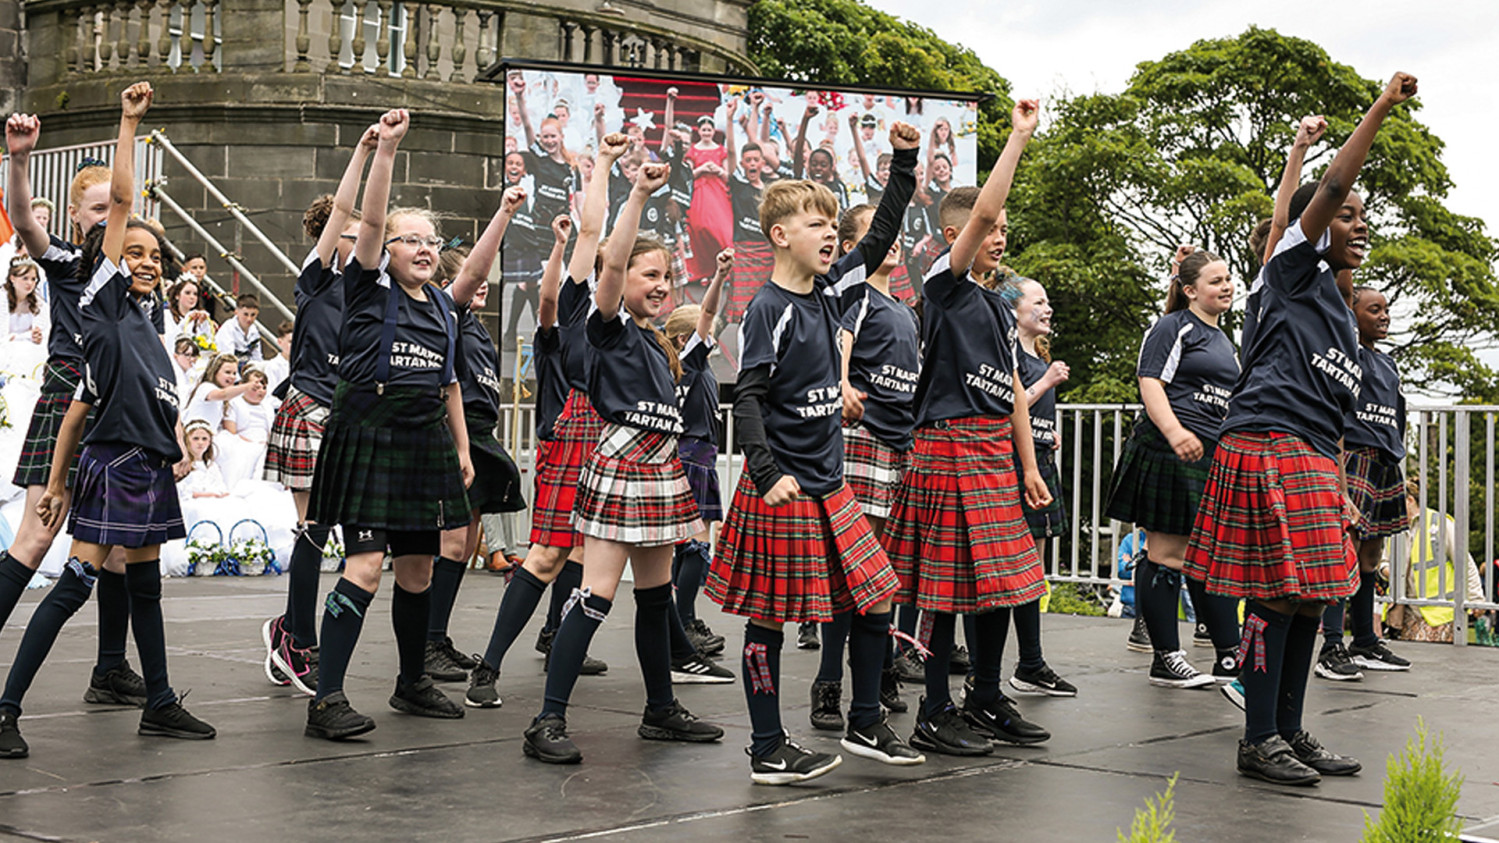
296,436
388,462
574,436
803,561
872,469
957,536
1270,524
1049,520
753,263
496,487
124,497
633,490
1153,488
1377,488
34,468
700,462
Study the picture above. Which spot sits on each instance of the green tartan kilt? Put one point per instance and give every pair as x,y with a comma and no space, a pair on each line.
388,462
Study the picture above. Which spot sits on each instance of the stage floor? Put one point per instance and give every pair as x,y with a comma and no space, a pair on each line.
90,777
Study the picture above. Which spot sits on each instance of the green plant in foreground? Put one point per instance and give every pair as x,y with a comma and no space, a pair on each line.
1153,823
1420,798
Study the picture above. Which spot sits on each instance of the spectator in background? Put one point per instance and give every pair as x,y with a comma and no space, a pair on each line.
185,315
240,336
278,368
185,356
247,426
1424,578
25,316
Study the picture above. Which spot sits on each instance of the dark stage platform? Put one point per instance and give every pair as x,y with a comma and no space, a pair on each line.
90,777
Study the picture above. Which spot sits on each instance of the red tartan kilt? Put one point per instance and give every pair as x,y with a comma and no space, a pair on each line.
296,435
753,263
803,561
900,284
575,435
1270,524
957,536
634,491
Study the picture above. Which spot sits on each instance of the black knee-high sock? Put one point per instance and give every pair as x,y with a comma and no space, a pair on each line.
343,618
569,648
1332,624
114,620
302,574
653,622
409,613
1361,611
14,577
970,631
447,576
866,652
938,695
905,621
62,602
1264,646
987,633
761,669
1301,642
1220,614
681,645
143,579
1027,618
692,556
569,579
1001,635
1156,588
834,633
522,596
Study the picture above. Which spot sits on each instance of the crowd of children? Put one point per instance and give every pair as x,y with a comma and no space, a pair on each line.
894,454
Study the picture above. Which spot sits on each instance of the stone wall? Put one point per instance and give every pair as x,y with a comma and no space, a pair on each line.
12,57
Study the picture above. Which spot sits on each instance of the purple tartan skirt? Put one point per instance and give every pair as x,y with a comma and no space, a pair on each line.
124,496
700,461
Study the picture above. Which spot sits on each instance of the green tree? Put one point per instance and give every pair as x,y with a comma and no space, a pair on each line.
1192,151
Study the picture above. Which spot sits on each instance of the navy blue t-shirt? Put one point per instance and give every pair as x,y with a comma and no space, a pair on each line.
1378,419
968,363
679,181
553,182
1043,412
60,263
745,200
1198,365
885,364
574,301
873,190
1301,373
128,376
551,380
420,350
315,334
630,382
697,391
478,371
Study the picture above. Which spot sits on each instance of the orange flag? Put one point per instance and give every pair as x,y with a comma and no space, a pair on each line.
6,229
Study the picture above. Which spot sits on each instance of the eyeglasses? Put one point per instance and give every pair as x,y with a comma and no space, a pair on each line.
431,241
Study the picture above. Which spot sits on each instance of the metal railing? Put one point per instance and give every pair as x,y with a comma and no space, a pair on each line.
52,172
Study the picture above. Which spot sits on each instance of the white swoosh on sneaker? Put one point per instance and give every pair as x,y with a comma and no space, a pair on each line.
778,765
869,741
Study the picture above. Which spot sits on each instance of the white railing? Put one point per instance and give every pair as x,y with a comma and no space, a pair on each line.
52,172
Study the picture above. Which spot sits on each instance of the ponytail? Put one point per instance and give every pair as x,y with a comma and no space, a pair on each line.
1186,276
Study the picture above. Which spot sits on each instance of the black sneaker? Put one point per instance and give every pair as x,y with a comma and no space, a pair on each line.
333,719
704,639
675,723
1172,670
1311,753
890,692
1042,680
424,700
272,634
1337,665
910,667
173,721
1139,638
1001,721
789,764
1226,666
1378,657
481,691
948,733
117,686
806,637
12,745
590,666
465,661
699,670
958,664
440,666
1274,761
547,742
879,742
827,706
1200,636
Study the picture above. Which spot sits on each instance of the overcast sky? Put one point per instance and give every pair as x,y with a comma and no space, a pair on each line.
1452,46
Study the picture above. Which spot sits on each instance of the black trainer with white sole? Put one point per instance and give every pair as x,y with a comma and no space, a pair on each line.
790,763
1001,720
948,733
1042,680
698,670
879,742
1172,670
481,690
1377,656
1334,663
